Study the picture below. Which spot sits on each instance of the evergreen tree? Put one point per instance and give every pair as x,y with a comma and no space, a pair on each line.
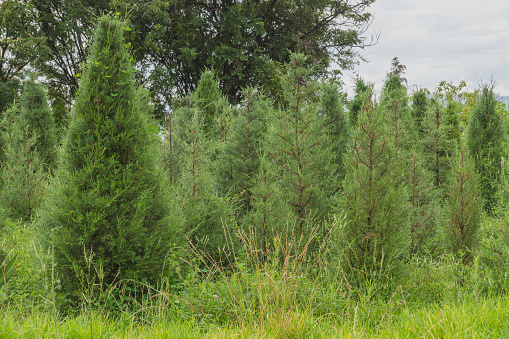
24,178
206,97
486,144
298,149
335,124
239,163
7,127
465,205
36,114
420,105
205,214
398,118
108,202
438,149
356,104
373,201
269,217
423,201
452,111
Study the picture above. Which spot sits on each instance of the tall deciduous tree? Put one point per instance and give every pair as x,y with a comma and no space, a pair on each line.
18,43
174,41
108,202
487,144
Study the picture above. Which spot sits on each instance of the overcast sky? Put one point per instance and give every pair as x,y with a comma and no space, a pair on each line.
450,40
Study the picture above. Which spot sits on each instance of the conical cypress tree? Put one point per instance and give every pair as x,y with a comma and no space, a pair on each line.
355,105
36,114
373,201
420,105
465,206
336,126
107,203
486,144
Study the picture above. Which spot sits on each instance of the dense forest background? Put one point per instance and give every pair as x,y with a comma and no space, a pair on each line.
206,154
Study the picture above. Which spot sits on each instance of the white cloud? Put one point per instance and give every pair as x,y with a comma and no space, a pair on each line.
439,40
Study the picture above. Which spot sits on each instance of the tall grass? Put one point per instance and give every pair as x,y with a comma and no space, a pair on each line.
293,291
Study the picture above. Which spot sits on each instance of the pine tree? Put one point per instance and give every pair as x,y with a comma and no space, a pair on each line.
423,205
335,124
465,205
24,178
206,97
420,105
438,149
36,114
297,147
171,150
269,217
7,127
108,200
355,105
398,118
206,216
452,112
486,144
373,200
238,165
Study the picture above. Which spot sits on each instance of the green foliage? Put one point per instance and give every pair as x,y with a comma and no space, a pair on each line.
438,149
420,105
270,216
19,43
8,93
486,144
206,216
206,97
300,160
238,164
245,42
424,202
374,199
24,178
355,106
108,204
465,205
398,118
7,269
335,124
36,115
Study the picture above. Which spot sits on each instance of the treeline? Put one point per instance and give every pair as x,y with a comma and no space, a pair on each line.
118,194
